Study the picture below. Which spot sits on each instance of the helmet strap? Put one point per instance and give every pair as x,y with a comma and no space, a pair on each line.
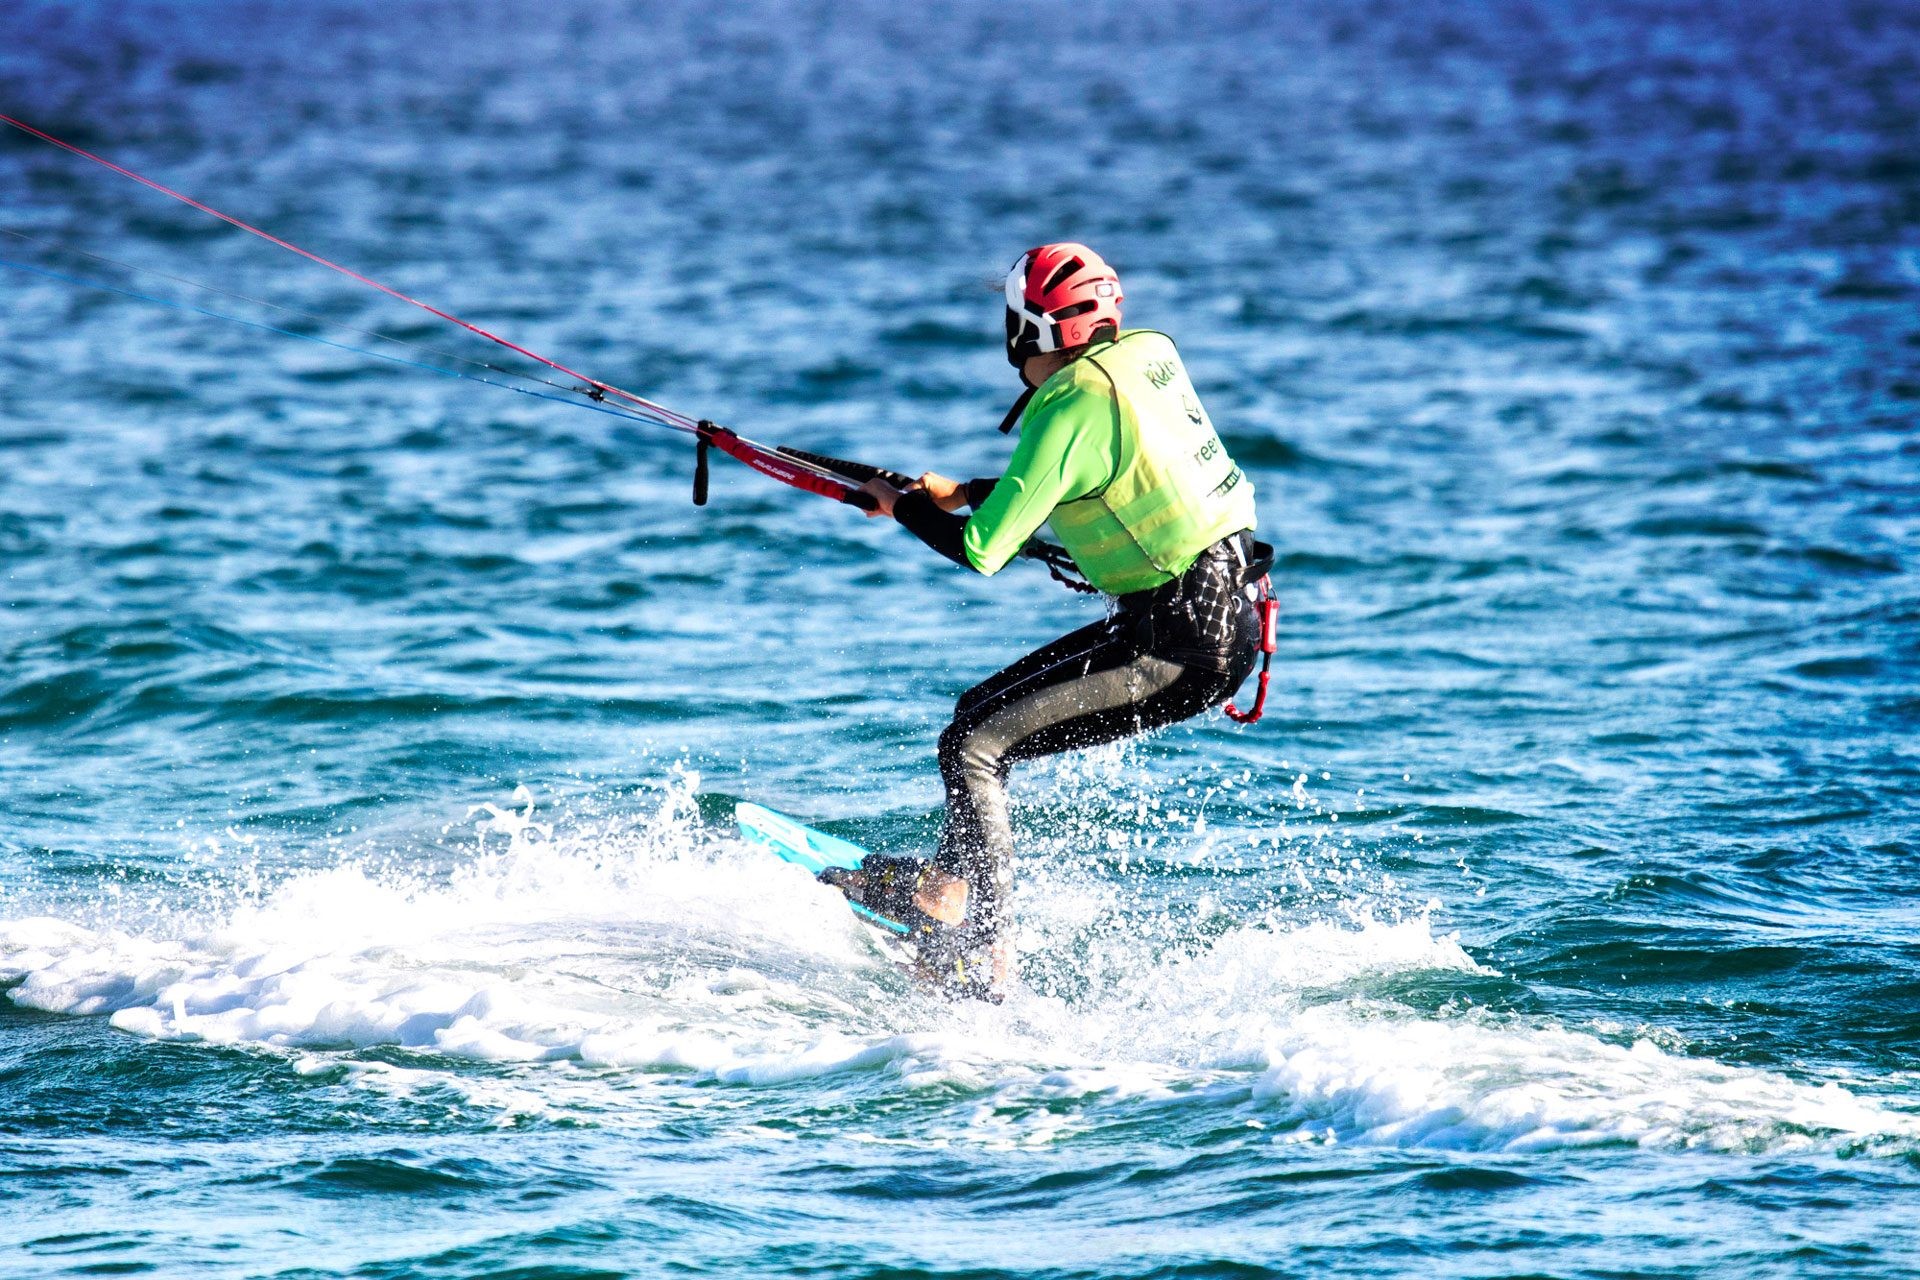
1012,419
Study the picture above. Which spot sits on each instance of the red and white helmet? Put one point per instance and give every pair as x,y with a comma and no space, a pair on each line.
1057,297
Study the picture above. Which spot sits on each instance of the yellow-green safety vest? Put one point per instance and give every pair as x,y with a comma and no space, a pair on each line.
1174,491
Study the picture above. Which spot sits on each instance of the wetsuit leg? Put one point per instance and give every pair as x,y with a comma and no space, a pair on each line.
1092,686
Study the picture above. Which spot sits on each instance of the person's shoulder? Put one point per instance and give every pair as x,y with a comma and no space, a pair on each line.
1087,375
1071,387
1142,339
1067,384
1065,400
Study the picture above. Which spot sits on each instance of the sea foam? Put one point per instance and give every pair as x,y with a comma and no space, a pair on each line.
654,949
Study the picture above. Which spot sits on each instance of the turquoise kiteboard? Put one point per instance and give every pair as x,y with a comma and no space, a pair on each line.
815,850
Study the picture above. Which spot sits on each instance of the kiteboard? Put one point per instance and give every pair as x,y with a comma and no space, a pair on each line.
795,842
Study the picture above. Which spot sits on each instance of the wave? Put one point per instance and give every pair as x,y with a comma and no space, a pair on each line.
640,954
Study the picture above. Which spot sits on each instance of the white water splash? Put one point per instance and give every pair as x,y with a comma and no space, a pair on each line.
649,949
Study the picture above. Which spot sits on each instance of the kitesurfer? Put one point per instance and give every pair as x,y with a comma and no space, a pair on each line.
1118,456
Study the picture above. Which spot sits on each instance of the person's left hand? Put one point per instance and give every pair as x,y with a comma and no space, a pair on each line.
883,494
948,495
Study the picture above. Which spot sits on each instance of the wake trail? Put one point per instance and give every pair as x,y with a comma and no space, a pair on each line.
611,962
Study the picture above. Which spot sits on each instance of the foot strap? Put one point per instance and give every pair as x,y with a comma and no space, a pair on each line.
956,959
884,885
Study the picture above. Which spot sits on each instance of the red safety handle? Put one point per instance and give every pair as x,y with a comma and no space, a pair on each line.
1269,641
783,468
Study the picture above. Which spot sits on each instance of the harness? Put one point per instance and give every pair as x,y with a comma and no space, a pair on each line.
1256,574
1238,565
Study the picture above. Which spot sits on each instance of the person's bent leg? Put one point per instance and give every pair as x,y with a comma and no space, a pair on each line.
1106,690
976,844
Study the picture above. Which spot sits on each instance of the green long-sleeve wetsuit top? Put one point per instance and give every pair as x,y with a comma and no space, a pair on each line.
1069,448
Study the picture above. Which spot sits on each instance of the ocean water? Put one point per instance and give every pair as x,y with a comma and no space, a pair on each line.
369,904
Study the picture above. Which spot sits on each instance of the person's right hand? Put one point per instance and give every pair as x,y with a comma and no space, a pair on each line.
948,495
884,497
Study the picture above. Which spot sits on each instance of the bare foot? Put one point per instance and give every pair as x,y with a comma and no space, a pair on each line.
942,896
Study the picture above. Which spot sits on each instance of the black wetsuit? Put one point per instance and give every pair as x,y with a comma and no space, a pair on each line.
1160,657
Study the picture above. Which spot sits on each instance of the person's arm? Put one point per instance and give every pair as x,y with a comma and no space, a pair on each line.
922,517
951,495
1066,451
931,520
928,511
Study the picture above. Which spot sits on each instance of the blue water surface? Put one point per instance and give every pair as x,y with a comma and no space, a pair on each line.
369,902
